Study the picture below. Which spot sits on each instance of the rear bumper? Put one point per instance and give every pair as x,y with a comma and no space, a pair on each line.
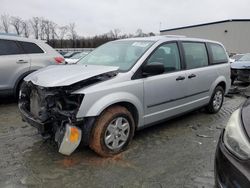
230,172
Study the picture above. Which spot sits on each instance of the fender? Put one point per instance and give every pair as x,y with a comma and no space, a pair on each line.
104,102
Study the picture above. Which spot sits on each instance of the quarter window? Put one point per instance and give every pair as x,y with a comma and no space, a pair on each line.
218,53
195,55
168,55
31,48
9,47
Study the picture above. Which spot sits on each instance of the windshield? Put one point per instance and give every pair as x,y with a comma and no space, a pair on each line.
246,57
122,54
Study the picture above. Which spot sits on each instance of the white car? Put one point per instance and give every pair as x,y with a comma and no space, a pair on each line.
76,57
19,57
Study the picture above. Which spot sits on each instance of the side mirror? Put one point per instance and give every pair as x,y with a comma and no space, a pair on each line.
153,69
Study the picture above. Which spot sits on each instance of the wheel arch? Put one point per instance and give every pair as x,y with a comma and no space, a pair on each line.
131,108
19,80
129,101
222,84
220,81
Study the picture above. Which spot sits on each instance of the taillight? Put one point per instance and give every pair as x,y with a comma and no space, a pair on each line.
59,60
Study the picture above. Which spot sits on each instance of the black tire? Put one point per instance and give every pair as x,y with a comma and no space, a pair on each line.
98,140
214,107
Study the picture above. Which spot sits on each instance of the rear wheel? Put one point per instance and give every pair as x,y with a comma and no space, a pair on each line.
216,100
112,131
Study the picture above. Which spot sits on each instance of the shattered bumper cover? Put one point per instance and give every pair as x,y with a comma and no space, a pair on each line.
29,118
241,74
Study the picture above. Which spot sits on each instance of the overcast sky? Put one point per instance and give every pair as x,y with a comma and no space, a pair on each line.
100,16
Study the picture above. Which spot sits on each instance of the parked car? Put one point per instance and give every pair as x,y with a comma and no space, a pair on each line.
19,57
240,69
123,86
76,57
62,52
232,160
69,54
236,57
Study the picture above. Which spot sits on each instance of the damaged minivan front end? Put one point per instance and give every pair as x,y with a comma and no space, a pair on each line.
53,110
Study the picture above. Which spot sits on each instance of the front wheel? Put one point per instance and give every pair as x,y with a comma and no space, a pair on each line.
216,100
112,131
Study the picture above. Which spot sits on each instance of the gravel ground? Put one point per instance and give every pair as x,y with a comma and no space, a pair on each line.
175,154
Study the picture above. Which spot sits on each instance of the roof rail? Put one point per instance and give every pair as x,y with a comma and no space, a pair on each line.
175,36
9,34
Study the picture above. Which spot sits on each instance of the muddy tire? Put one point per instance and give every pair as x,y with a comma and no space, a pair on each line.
216,100
112,132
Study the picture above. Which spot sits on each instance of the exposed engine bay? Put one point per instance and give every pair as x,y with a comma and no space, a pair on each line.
53,110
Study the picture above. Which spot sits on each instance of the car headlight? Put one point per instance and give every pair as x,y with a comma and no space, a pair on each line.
235,137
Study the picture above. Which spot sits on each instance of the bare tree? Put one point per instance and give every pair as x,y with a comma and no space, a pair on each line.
72,33
45,28
35,26
17,22
62,33
116,33
5,22
26,28
42,26
53,32
110,34
139,33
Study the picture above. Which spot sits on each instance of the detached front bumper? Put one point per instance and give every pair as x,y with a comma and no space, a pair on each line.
241,74
230,172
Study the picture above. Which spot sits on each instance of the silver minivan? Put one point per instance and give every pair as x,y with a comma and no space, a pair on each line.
19,57
123,86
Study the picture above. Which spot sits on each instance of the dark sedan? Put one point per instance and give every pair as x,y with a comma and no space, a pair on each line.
232,159
240,69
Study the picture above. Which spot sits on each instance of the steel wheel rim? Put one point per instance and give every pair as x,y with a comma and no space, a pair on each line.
217,100
117,133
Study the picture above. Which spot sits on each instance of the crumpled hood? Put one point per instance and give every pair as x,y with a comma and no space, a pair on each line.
65,75
240,65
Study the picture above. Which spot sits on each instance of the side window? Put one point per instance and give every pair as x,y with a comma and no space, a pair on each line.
31,48
9,47
168,55
218,53
195,55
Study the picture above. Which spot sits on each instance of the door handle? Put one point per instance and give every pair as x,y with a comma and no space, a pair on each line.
180,78
191,76
21,61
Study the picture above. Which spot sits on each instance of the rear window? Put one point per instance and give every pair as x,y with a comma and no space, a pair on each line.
218,53
9,47
31,48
